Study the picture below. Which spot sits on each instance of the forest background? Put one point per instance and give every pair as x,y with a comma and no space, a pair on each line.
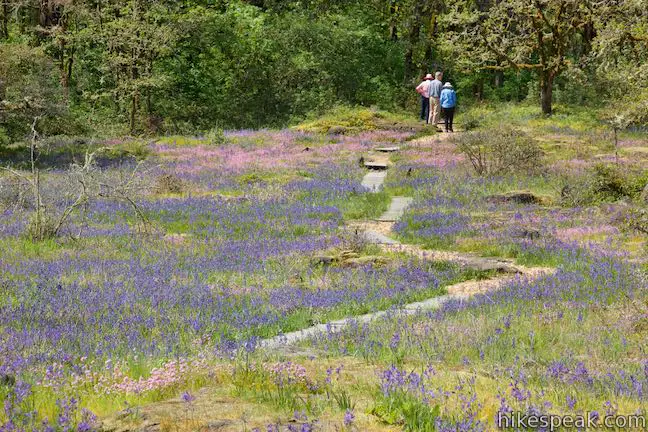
110,67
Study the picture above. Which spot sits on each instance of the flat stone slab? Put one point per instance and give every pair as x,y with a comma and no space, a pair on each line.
388,149
396,209
429,304
374,180
339,325
378,238
376,165
489,264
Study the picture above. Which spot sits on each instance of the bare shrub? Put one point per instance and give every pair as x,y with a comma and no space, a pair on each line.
352,239
13,193
576,191
82,183
500,151
41,226
169,183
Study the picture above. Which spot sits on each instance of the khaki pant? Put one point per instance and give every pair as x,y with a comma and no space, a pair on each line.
435,110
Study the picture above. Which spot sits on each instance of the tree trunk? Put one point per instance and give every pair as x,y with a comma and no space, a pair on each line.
393,30
414,35
546,91
498,79
4,26
133,113
589,33
44,14
66,75
429,42
478,89
427,58
68,72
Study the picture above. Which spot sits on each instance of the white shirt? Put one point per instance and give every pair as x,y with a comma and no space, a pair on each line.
425,86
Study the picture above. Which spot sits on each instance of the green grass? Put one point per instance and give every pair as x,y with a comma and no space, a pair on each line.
364,206
348,120
566,119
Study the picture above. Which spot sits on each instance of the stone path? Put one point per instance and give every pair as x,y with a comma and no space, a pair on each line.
337,326
458,292
376,237
375,161
463,259
396,209
377,233
388,149
376,165
374,180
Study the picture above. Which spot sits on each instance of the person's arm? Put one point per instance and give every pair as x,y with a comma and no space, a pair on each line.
420,90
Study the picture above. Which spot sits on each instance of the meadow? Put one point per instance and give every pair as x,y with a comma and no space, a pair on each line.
152,320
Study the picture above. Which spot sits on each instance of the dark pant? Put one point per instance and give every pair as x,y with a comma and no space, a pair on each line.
448,116
425,108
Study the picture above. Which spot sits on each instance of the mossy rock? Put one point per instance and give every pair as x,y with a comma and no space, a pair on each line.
365,260
349,121
337,130
520,197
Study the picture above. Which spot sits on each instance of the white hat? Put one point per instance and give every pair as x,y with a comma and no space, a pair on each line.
429,76
447,85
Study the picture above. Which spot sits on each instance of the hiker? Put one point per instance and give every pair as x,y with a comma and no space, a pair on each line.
435,94
424,90
448,101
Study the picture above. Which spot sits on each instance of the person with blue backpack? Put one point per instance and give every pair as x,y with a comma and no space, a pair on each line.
448,100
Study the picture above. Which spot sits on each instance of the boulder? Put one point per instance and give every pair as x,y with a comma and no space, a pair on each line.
514,197
337,130
323,260
365,260
218,425
375,165
527,233
487,264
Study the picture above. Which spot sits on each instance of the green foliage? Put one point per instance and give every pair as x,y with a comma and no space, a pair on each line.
401,408
364,205
343,400
621,51
215,136
4,137
637,219
243,67
512,34
471,121
128,149
182,67
602,183
281,385
608,182
28,89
